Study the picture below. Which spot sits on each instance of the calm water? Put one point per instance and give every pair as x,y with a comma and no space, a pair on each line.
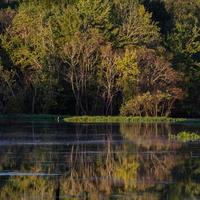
52,161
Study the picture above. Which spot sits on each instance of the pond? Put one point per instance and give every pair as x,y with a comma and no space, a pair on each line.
138,161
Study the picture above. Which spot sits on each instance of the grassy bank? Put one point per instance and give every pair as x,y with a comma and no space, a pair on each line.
94,119
121,119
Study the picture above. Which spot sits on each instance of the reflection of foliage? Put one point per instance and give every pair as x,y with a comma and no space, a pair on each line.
183,191
153,143
189,170
28,159
112,172
18,188
186,136
125,171
102,171
187,179
149,136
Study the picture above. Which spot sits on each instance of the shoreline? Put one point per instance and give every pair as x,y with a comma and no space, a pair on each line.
122,119
94,119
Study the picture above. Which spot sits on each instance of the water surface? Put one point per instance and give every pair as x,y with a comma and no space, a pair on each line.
98,161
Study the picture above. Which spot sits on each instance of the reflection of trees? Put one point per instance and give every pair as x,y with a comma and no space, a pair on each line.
86,175
142,196
25,159
183,191
186,178
22,188
159,158
101,168
156,152
155,169
51,157
149,136
110,172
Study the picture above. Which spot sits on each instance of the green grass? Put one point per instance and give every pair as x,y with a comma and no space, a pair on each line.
121,119
97,119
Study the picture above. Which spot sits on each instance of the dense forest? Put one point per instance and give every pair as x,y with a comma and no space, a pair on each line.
100,57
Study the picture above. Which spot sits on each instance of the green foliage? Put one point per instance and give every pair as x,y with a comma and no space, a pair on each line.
128,72
184,44
92,56
136,27
26,41
30,46
6,16
94,14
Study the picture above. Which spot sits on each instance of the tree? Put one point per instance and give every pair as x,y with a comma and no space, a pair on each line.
135,25
156,72
159,14
94,14
6,88
184,44
6,17
80,56
157,86
147,104
108,74
29,43
118,73
94,55
184,38
128,73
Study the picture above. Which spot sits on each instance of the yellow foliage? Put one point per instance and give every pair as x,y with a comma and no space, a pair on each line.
128,71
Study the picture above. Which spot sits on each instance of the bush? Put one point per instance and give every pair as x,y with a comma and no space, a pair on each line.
158,104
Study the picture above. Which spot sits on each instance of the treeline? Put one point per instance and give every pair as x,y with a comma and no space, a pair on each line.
100,57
